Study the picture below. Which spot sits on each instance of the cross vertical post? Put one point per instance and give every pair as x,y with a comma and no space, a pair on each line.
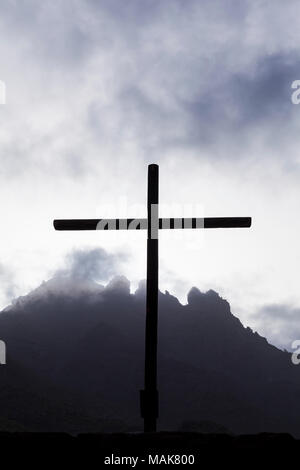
149,396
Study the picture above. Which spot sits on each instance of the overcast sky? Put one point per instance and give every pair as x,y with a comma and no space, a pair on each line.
96,90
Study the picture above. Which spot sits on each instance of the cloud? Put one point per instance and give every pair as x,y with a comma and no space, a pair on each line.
90,265
279,323
243,105
7,283
157,75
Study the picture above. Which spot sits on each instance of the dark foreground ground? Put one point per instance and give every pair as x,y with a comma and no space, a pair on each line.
40,450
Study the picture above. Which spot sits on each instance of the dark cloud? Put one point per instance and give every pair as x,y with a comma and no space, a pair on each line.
7,282
280,323
136,13
118,285
176,84
234,111
265,93
132,12
246,105
90,265
55,31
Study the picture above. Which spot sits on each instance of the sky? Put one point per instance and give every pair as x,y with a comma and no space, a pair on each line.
97,90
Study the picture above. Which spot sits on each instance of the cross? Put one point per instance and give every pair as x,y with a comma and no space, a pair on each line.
149,396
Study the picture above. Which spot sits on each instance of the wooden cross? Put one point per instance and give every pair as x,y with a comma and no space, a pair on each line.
149,396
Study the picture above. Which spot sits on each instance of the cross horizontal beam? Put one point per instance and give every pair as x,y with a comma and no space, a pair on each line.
142,224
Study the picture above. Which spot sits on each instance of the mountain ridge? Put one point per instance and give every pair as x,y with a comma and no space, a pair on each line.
80,346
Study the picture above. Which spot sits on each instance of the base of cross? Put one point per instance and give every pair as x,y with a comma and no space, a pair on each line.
149,409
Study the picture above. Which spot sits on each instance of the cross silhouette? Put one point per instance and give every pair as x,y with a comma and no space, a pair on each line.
149,396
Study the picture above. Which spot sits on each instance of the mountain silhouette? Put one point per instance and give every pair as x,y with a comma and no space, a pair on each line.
75,363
